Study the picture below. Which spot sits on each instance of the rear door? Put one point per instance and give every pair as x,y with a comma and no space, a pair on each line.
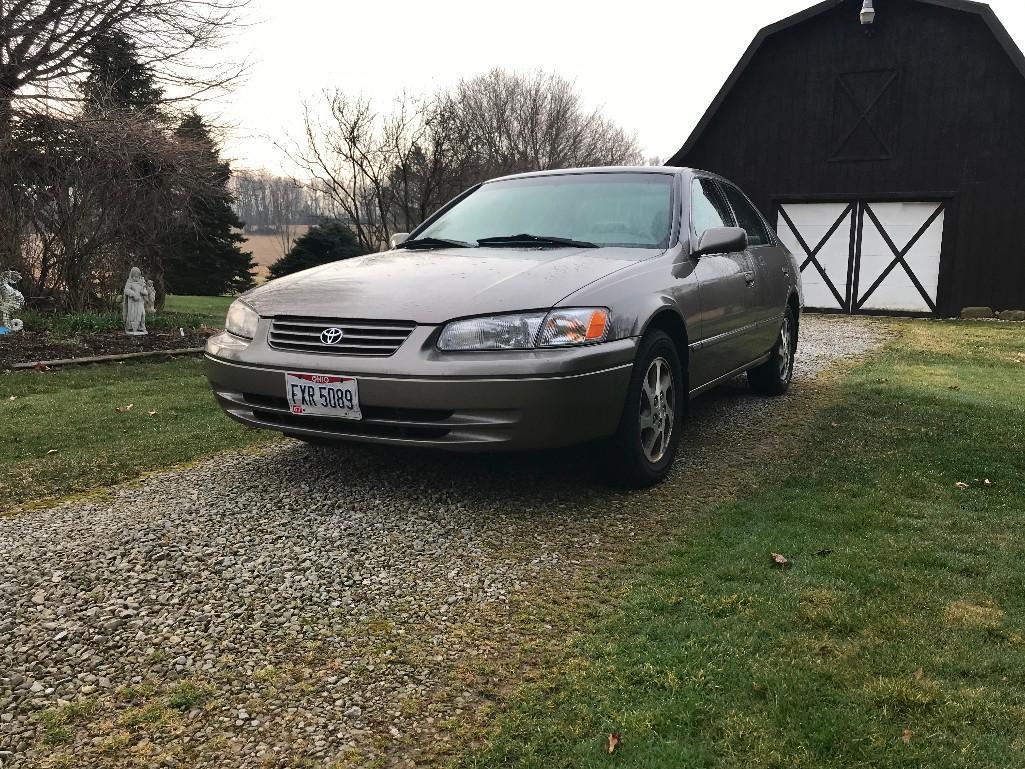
771,266
725,288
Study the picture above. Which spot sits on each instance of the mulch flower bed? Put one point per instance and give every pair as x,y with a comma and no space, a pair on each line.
29,347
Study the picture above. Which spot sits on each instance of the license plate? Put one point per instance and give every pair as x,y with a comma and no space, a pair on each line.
323,395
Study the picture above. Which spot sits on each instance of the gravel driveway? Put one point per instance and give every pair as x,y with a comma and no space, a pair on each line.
308,607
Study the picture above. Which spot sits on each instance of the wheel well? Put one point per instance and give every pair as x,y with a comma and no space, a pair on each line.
671,323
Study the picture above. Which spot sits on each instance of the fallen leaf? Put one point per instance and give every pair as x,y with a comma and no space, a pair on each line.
780,562
613,742
905,737
954,387
40,367
13,398
834,424
124,409
823,552
987,482
960,485
152,413
52,451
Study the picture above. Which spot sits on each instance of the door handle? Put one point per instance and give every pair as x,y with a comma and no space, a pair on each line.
750,278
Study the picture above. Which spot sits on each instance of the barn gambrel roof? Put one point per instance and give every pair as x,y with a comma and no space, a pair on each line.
982,10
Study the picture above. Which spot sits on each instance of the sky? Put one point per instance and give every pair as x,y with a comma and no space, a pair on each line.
652,67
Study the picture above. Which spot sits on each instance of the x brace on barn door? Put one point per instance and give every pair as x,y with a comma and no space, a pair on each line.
813,253
853,298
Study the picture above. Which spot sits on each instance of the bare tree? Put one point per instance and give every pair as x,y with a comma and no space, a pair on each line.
508,122
43,47
98,196
388,172
43,44
349,157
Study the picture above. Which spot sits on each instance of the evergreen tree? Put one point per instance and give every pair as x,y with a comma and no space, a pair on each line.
117,79
327,241
204,257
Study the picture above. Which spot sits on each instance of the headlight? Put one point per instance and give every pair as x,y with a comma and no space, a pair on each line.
581,326
499,332
525,331
242,320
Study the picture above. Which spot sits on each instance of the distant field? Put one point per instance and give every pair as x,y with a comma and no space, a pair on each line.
267,249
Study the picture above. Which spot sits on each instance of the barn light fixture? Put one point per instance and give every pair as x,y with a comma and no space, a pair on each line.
868,13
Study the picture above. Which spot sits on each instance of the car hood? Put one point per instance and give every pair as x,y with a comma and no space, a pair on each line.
433,286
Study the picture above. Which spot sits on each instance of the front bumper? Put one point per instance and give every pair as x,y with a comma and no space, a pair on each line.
459,402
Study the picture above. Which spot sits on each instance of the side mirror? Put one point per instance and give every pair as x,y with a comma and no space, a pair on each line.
721,240
398,239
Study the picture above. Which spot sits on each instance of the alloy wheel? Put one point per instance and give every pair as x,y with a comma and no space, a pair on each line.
658,409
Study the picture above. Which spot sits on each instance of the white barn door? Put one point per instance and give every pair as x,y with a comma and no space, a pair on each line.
819,235
899,257
865,256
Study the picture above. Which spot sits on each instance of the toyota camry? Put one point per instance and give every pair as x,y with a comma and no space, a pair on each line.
533,311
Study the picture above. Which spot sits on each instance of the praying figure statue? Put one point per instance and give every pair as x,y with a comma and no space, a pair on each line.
151,296
11,300
133,303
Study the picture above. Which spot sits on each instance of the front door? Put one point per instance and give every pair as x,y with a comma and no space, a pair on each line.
727,285
866,256
772,272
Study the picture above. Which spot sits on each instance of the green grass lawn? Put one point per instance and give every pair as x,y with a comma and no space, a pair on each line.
213,308
895,640
64,434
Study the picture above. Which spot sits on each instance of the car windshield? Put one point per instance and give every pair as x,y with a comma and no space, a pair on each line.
598,209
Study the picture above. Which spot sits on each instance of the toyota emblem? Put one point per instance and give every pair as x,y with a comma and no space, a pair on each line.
331,335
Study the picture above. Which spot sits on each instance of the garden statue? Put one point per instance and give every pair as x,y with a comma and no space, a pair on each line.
151,296
11,300
133,304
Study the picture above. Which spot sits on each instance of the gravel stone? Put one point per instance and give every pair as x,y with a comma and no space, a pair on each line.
329,601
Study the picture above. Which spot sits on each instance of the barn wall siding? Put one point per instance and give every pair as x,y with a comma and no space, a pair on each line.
955,120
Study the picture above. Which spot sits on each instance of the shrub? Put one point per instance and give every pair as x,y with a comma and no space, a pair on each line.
328,241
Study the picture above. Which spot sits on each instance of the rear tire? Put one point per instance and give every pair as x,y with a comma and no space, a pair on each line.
773,377
642,451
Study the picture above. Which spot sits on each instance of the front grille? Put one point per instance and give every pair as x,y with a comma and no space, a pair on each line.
379,338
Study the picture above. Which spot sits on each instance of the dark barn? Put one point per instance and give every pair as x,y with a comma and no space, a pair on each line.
887,145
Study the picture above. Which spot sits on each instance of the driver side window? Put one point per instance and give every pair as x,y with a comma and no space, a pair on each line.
707,207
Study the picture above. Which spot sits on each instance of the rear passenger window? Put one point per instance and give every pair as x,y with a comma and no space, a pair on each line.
747,217
707,207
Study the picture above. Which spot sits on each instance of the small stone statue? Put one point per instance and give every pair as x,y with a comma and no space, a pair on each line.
11,300
133,303
151,296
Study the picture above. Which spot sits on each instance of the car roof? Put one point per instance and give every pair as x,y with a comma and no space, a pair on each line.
663,170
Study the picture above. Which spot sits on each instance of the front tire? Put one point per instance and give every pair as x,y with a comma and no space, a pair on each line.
645,444
773,377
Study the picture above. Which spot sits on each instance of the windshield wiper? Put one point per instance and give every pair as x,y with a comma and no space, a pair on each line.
535,240
434,243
